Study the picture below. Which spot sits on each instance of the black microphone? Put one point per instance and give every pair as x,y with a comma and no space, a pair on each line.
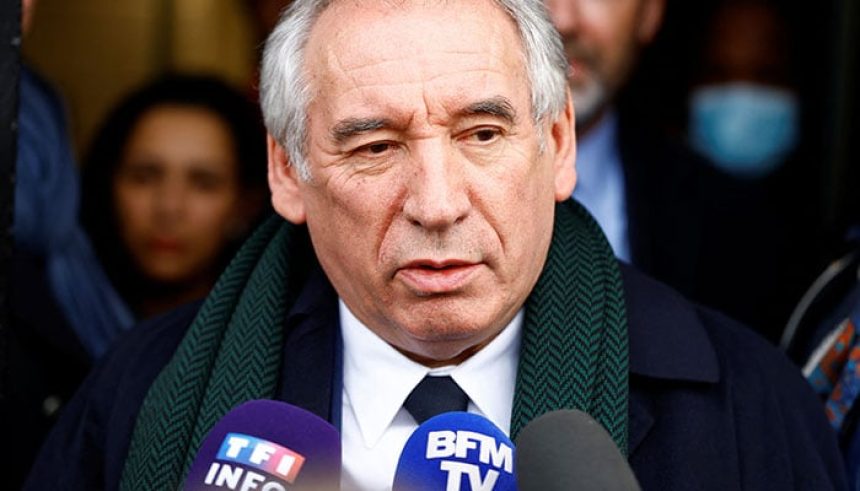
270,446
568,449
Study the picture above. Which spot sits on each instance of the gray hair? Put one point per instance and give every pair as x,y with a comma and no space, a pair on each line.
285,91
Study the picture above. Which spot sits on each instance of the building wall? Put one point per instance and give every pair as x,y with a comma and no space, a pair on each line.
94,51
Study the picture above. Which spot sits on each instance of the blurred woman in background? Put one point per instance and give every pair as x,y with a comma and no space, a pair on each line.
172,184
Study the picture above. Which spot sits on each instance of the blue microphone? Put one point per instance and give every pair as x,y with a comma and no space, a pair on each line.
456,451
267,445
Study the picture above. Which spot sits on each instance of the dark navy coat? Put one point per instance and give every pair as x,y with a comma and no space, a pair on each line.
712,406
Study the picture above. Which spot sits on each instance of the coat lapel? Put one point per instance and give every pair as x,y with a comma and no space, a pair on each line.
310,373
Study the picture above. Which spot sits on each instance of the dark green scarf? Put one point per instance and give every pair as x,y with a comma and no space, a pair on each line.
574,346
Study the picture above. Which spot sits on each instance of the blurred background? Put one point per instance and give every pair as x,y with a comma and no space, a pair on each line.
95,51
783,224
823,43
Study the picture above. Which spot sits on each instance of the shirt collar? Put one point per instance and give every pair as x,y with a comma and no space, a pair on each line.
489,376
600,184
371,364
594,152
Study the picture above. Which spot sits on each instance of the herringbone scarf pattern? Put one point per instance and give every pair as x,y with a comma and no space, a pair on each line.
574,352
574,344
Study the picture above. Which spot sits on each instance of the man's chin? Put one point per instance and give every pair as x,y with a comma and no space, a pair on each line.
444,351
444,340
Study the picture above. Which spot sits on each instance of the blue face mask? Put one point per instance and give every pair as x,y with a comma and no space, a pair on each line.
745,129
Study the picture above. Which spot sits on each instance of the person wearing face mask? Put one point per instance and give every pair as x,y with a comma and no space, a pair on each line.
664,207
744,114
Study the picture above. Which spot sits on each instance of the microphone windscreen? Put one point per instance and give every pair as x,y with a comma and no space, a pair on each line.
268,445
568,449
456,451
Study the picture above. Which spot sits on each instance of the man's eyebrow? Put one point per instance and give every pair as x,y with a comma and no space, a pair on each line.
347,128
495,106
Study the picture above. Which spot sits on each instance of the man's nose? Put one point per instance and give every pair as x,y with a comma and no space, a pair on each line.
566,15
437,191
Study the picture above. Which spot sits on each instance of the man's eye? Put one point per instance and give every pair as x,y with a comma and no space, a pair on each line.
378,147
485,134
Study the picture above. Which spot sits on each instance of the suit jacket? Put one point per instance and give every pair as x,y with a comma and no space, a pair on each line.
711,405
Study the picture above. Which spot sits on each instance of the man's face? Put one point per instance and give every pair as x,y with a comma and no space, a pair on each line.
430,205
602,39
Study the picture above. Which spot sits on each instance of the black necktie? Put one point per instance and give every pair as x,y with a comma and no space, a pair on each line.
435,395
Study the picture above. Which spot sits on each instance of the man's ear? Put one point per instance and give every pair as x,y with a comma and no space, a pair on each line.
287,198
650,19
562,140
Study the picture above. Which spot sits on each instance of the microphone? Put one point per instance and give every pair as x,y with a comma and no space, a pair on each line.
456,451
268,446
568,449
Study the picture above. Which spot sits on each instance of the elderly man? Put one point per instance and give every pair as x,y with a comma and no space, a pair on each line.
427,147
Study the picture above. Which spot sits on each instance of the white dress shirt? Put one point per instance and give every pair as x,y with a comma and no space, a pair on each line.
377,379
600,183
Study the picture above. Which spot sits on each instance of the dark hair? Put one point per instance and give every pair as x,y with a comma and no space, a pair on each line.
105,154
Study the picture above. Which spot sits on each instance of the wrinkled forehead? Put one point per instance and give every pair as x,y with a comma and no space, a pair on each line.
392,50
349,35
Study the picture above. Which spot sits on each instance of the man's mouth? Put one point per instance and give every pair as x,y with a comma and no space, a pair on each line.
428,277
